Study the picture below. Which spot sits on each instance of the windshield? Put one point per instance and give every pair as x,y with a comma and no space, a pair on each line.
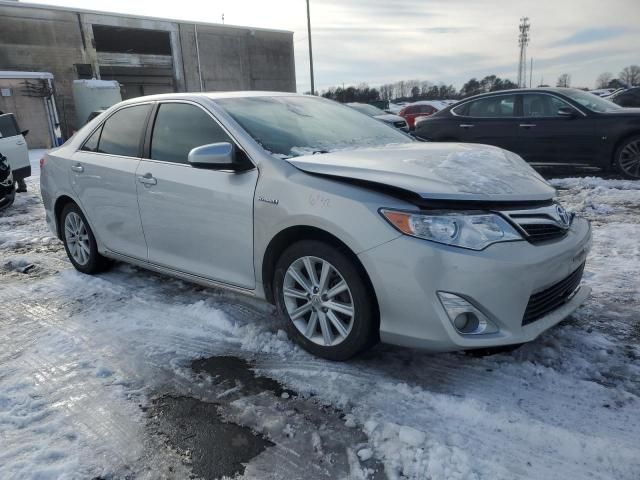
591,101
293,126
367,109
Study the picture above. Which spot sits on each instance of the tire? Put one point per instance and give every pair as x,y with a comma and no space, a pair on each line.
627,158
82,254
334,335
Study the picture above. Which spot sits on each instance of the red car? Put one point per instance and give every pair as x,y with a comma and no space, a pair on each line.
419,109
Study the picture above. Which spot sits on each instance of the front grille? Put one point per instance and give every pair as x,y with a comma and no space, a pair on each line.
549,299
542,232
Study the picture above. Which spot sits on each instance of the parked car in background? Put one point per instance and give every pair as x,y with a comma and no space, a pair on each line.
94,114
388,118
7,184
423,108
548,127
14,147
602,92
385,238
627,98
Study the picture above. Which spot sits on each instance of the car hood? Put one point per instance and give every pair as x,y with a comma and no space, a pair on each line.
389,118
436,171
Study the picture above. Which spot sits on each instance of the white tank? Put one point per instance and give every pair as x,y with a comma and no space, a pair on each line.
92,95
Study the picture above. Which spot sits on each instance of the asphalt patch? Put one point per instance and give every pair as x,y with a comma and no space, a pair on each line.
213,448
238,372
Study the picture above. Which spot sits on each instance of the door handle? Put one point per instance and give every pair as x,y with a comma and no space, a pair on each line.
466,125
77,168
527,125
20,142
147,179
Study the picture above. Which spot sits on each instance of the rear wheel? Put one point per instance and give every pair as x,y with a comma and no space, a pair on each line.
79,241
325,301
627,158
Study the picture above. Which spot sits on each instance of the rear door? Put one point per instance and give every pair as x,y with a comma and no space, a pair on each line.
12,144
490,120
103,177
195,220
548,138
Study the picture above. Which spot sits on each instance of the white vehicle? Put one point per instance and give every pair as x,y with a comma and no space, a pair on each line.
356,231
14,147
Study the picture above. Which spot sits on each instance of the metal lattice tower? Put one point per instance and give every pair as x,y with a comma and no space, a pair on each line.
523,41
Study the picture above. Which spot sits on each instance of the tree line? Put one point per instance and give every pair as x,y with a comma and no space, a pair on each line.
414,90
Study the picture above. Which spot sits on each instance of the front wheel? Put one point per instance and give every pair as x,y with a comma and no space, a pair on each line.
79,241
325,300
627,158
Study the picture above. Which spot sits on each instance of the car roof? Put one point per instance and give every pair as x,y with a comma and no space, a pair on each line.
559,90
211,96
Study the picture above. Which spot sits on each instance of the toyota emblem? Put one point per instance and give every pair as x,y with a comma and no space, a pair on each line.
563,215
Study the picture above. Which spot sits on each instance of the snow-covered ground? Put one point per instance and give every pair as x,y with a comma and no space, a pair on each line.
82,360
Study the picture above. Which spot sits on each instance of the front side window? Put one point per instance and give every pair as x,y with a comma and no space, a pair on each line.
8,126
179,128
540,105
290,126
590,101
498,106
122,131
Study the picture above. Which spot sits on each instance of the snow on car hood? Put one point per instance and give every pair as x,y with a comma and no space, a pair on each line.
389,118
443,171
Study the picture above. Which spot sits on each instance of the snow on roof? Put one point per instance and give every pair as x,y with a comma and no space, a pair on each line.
95,83
18,74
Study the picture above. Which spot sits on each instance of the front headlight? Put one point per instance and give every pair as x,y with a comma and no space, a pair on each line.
467,230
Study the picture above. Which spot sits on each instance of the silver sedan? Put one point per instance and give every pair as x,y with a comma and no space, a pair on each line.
355,231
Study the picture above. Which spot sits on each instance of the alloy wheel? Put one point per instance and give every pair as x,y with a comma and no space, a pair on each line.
630,159
77,238
318,301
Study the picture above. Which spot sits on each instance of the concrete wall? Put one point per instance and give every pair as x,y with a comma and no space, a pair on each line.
43,39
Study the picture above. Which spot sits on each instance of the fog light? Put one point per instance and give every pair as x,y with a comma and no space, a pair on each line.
464,316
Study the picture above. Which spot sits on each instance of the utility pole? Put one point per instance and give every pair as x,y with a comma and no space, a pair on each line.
531,73
523,41
313,88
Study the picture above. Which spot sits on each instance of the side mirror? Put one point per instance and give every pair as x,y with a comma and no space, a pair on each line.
566,112
216,156
24,133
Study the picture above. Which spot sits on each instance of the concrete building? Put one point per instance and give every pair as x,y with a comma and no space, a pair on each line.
146,55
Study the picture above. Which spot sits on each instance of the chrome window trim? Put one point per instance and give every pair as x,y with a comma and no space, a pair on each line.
206,110
463,102
488,96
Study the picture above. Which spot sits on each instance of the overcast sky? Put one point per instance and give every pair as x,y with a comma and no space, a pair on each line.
380,41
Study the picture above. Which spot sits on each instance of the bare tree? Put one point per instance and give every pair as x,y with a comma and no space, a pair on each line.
630,75
603,80
564,80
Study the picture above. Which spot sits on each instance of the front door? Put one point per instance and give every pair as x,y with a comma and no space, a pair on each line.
195,220
12,143
103,177
548,138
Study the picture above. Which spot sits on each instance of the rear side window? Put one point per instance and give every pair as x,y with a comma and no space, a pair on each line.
500,106
122,131
91,145
179,128
8,126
